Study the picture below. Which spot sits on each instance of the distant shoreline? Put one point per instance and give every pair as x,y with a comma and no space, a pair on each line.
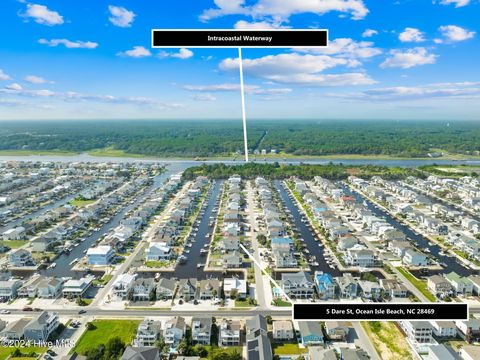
279,157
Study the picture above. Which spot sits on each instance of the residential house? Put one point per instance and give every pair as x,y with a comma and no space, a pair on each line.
461,285
15,329
337,330
439,286
469,330
174,331
284,259
441,352
143,289
418,331
238,286
393,288
259,348
187,289
9,289
283,330
325,285
444,329
42,326
76,288
17,233
20,258
209,289
201,330
141,353
158,251
370,289
148,333
360,257
298,285
166,288
414,258
310,333
347,286
101,255
232,260
123,285
230,332
353,354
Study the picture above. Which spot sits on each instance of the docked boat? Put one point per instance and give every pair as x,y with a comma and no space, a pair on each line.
74,261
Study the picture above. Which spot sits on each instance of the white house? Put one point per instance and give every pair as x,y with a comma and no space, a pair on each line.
158,251
17,233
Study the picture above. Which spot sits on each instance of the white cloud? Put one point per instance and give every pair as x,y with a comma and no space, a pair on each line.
283,9
69,44
369,33
181,54
242,24
453,33
228,87
14,86
204,97
457,3
408,58
346,47
300,69
136,52
4,76
33,79
411,35
120,16
42,15
462,90
72,96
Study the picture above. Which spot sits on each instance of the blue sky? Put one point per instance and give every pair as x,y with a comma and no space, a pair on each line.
403,59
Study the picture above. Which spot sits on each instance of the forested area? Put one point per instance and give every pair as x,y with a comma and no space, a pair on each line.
187,138
303,171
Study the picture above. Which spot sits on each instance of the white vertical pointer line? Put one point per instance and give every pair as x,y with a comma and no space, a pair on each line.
242,91
263,271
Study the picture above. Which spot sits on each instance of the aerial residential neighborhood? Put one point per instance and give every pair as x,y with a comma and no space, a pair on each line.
240,180
190,263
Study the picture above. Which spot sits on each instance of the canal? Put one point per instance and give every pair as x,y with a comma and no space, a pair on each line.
64,269
306,233
190,268
420,241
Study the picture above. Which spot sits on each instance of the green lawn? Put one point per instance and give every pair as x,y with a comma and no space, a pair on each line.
81,203
104,280
419,284
288,349
279,302
105,330
5,351
158,264
242,303
14,244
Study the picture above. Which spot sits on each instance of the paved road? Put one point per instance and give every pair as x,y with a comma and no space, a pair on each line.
123,268
259,284
95,311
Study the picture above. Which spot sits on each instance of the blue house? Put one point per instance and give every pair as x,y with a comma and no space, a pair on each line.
282,243
100,255
310,332
325,285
